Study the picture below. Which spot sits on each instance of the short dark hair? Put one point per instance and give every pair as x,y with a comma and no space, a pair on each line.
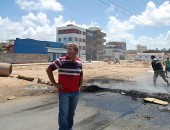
75,47
152,57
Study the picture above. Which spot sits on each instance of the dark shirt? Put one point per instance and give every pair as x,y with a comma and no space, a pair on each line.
156,65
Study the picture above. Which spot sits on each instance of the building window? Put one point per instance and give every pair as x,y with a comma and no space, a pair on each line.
84,33
84,40
79,39
70,38
75,38
68,31
47,44
59,39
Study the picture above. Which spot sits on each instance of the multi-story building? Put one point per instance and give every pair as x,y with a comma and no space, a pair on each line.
115,50
141,48
147,56
90,41
117,45
130,55
96,43
73,34
90,47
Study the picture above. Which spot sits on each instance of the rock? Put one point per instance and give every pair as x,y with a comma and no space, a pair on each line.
11,97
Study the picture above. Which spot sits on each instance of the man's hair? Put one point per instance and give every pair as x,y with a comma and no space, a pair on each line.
75,47
167,58
152,57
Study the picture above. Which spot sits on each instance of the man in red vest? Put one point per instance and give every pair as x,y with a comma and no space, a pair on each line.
70,76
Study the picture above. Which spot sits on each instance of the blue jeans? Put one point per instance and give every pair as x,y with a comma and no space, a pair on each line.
67,107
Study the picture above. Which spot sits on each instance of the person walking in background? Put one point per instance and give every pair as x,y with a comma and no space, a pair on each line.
167,66
70,77
158,70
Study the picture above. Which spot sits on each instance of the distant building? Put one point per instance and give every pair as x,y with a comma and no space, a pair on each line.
147,56
113,53
141,48
31,46
130,55
95,43
115,50
117,45
73,34
90,46
90,41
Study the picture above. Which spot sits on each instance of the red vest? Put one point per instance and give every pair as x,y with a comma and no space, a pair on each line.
69,73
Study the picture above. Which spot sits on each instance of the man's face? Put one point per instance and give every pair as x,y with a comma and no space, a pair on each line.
71,52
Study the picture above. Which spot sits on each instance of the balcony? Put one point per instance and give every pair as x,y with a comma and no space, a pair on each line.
101,40
100,34
100,52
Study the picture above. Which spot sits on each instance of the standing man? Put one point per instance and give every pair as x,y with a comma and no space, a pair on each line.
158,70
70,76
167,66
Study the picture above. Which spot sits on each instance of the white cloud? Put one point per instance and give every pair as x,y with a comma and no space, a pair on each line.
110,9
118,30
9,29
116,26
59,22
30,26
152,16
34,26
39,18
38,26
31,5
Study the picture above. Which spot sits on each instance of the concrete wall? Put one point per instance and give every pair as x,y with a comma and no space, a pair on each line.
17,58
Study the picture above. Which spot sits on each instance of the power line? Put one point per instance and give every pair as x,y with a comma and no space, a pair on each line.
128,14
144,20
132,6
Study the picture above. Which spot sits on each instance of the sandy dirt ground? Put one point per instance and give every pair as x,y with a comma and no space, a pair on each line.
11,87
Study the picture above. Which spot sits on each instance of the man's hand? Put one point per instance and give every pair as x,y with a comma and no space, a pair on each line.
58,86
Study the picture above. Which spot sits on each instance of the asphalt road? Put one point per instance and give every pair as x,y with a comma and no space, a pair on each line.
95,111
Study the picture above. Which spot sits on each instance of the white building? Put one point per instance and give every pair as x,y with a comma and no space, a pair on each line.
114,53
141,48
115,50
73,34
147,56
56,52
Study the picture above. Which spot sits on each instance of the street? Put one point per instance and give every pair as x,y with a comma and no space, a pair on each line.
100,110
95,111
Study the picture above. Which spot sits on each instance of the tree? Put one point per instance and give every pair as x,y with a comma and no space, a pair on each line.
1,49
164,50
168,50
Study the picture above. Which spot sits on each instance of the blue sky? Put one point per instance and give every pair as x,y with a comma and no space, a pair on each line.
135,22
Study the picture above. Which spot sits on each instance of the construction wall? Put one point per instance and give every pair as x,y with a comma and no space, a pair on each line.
16,58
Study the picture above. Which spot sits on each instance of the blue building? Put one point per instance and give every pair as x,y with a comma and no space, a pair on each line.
31,46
